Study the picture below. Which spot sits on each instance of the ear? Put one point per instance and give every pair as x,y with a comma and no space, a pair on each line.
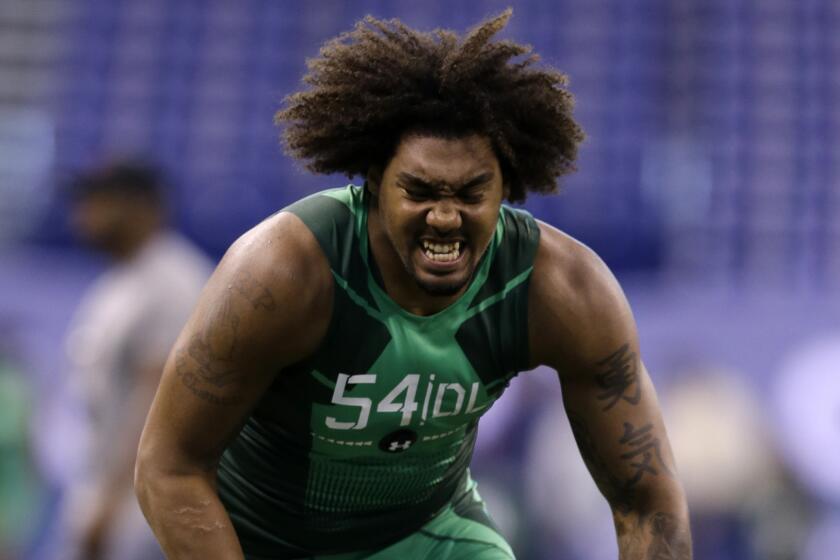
505,190
374,179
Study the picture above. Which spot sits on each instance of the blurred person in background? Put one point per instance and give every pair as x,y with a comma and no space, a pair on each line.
323,398
122,332
737,486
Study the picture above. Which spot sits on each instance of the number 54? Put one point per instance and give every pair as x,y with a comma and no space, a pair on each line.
387,404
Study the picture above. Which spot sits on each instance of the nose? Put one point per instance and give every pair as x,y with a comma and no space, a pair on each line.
444,216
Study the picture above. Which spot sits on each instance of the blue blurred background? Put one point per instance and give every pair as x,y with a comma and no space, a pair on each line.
709,182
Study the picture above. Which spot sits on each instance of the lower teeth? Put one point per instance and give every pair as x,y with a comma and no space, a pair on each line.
443,257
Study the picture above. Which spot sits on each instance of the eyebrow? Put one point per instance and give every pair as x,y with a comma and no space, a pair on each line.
407,177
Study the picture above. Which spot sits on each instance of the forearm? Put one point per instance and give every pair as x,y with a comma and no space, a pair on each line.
659,533
187,517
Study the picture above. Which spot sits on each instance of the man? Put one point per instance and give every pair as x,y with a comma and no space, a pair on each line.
118,343
322,401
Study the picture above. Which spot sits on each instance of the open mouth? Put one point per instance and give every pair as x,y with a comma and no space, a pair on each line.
442,252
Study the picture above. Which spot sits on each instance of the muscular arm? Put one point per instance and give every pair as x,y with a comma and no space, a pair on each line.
266,306
582,326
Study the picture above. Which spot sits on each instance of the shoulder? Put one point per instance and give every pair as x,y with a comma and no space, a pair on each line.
576,305
565,267
274,285
282,254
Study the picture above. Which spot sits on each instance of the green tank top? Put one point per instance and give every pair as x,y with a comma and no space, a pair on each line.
367,439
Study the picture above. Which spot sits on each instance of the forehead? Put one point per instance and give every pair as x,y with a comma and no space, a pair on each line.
112,199
445,159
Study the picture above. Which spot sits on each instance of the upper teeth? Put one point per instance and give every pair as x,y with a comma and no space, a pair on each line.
440,247
442,251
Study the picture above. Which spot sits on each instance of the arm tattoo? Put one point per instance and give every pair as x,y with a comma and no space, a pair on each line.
254,291
194,383
662,536
620,495
214,350
644,454
617,377
210,360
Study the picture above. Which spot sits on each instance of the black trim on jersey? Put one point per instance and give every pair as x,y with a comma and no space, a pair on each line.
498,348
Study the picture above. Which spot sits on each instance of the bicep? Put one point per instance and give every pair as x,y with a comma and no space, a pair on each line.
252,319
211,380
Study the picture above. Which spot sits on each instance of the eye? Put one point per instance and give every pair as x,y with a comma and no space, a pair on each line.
471,196
416,194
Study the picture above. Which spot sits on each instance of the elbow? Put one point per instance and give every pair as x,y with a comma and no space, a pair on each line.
162,471
665,495
651,496
152,467
143,477
670,493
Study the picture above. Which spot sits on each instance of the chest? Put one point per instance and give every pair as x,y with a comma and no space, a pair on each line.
396,386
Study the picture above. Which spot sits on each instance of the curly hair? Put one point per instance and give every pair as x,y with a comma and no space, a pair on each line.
371,86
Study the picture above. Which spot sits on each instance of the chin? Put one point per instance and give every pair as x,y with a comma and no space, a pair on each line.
442,287
441,290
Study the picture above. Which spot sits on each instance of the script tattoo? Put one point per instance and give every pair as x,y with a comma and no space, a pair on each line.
641,451
669,540
617,493
644,455
194,383
618,377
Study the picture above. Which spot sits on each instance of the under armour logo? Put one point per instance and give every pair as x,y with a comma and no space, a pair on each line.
398,441
395,445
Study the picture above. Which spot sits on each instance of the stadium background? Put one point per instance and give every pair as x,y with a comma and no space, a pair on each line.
709,182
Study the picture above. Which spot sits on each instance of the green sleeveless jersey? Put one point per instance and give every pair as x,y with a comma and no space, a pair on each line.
371,436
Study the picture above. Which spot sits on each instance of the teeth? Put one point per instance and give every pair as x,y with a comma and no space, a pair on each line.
442,252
